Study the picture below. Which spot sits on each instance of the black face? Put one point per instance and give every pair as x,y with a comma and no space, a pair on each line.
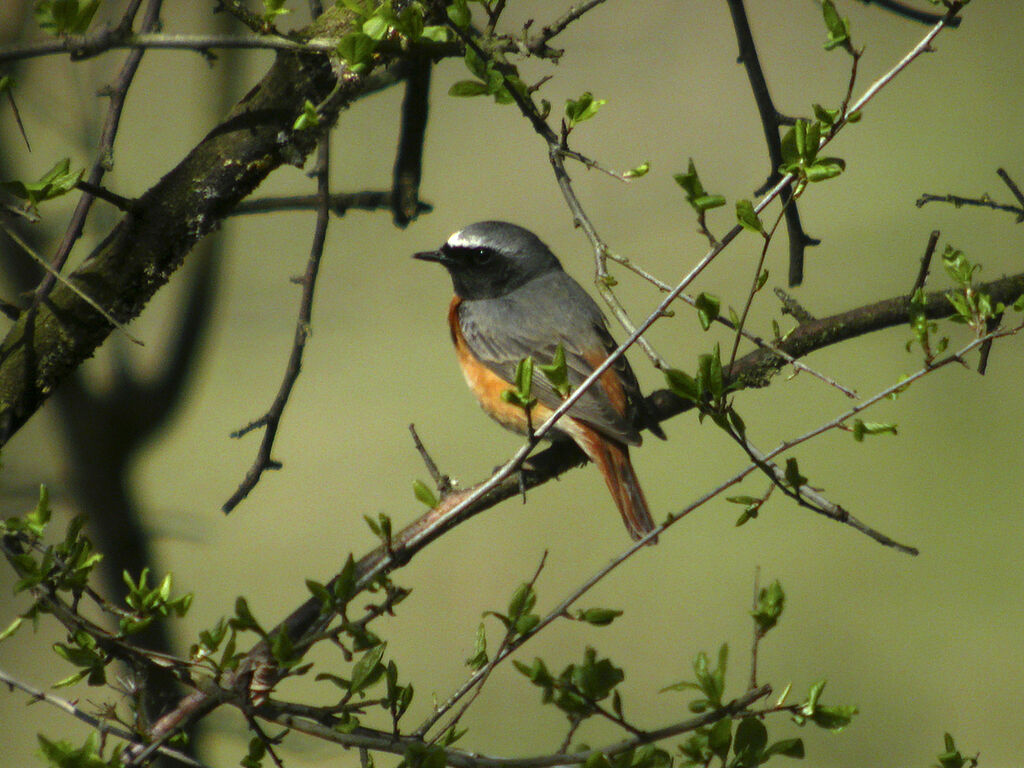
492,258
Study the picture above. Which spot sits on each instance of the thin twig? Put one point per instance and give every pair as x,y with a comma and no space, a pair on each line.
271,420
480,679
539,42
1011,184
56,276
442,481
101,725
982,202
771,123
105,151
405,177
386,742
907,12
926,263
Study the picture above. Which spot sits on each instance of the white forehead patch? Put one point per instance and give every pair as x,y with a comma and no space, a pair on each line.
463,239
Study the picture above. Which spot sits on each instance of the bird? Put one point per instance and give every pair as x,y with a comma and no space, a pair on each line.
513,300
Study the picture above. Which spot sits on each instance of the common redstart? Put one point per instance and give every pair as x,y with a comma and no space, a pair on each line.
512,301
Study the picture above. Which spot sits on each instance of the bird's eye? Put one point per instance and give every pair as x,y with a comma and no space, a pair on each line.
481,256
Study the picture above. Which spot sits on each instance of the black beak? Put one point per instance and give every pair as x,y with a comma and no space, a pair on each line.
430,256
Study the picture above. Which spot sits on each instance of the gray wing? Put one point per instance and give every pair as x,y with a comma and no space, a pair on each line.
532,321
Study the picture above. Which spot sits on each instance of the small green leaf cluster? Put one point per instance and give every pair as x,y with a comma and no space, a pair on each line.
699,198
520,393
751,506
708,308
56,182
770,602
710,682
557,373
65,17
838,28
749,746
647,756
490,80
310,117
381,527
520,618
63,754
54,570
579,688
150,603
972,307
800,146
921,328
708,390
832,718
951,757
581,109
375,23
272,9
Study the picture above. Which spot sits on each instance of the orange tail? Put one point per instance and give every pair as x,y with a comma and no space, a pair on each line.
612,459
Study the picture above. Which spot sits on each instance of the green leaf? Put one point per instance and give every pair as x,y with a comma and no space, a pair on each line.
747,216
272,9
838,28
708,308
750,740
637,171
599,617
862,428
683,385
356,48
65,17
770,602
423,494
435,33
368,670
696,195
13,627
458,12
720,738
786,748
583,108
522,602
793,476
57,181
479,658
466,88
376,27
557,373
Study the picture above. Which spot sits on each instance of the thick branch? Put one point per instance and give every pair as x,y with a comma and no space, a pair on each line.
150,242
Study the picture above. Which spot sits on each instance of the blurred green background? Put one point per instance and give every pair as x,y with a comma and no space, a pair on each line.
922,645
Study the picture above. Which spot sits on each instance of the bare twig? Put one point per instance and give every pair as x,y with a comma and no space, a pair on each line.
442,481
104,161
771,122
100,724
271,420
981,202
1011,184
405,178
538,44
55,276
907,12
926,263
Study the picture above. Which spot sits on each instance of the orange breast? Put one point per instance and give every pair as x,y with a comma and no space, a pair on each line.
487,386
